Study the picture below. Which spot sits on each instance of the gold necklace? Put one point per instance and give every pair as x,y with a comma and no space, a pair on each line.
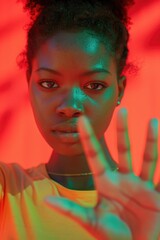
75,174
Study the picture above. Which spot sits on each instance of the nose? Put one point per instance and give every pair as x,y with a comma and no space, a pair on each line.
71,105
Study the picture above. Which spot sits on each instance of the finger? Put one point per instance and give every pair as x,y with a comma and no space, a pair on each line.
150,152
123,143
92,148
84,216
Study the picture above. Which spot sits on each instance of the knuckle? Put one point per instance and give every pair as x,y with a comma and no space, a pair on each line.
123,148
149,156
93,153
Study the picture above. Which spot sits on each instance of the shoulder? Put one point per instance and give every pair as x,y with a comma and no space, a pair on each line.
14,178
8,174
10,167
14,171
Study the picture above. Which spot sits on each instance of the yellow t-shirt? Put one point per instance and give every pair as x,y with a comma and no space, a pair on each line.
23,213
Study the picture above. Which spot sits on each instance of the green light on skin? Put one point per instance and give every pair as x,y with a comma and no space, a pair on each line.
153,145
92,46
121,228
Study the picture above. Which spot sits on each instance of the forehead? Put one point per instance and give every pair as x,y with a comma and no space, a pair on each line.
78,49
85,41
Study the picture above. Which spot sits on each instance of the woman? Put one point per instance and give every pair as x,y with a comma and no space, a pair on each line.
75,57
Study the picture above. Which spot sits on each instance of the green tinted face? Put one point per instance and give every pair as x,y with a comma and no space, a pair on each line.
73,74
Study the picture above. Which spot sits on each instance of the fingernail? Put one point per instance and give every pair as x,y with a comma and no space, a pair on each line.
155,125
155,122
84,122
123,111
122,118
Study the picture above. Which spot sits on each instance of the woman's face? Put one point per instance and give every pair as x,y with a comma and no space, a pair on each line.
72,75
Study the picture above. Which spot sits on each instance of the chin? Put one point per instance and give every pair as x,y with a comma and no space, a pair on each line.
68,149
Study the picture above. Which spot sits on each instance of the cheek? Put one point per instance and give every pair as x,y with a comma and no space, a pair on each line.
111,95
38,107
105,111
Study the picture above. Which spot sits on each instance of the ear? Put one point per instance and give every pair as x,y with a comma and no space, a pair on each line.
121,87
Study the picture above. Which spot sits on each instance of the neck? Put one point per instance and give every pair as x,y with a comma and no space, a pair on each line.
75,165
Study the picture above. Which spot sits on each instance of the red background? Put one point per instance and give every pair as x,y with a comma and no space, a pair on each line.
20,140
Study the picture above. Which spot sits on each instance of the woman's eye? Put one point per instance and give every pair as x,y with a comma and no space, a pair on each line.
47,84
96,86
93,86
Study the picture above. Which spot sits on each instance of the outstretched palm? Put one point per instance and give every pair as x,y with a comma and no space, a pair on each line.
128,206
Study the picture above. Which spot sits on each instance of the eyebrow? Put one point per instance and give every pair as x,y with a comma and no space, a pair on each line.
87,73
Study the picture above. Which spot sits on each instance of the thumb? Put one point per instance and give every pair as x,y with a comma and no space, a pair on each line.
112,226
81,215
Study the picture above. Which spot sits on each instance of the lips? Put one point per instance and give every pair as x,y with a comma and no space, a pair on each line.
66,131
65,137
66,134
66,128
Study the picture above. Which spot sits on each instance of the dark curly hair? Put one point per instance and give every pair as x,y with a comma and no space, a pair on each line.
106,19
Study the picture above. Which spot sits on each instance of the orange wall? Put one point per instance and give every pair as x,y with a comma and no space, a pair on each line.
20,140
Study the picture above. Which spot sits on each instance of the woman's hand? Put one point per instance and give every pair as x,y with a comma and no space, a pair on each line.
128,206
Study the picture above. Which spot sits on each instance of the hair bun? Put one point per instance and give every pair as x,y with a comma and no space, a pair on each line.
117,7
34,7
